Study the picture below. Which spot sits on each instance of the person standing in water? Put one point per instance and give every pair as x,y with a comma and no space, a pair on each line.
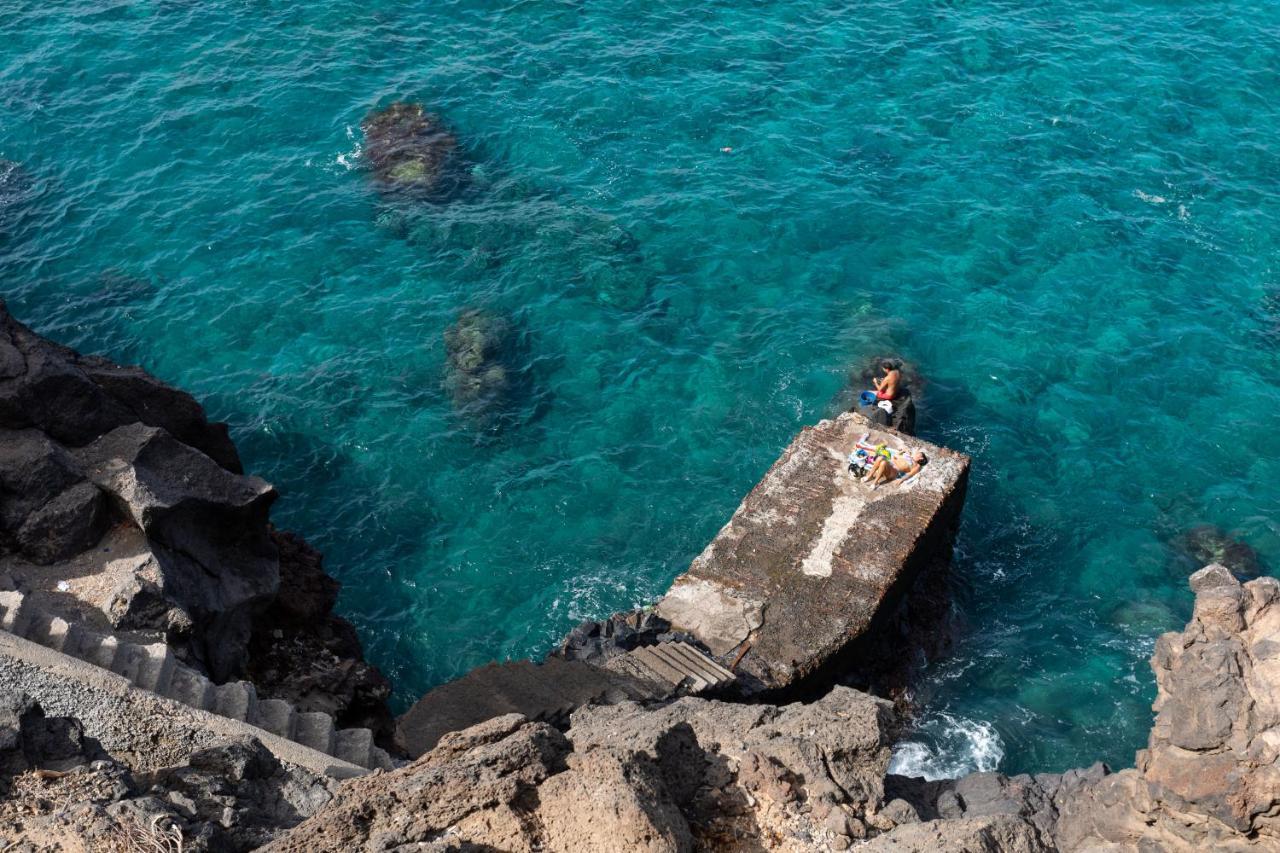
887,388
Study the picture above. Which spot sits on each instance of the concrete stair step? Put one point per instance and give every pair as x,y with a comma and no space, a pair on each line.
658,666
157,668
695,660
101,651
237,700
64,636
354,745
276,716
80,643
17,612
698,683
314,729
191,688
128,661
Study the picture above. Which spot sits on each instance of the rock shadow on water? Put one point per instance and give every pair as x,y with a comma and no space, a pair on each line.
19,189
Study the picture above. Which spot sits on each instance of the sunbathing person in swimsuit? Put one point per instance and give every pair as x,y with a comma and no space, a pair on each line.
900,465
887,388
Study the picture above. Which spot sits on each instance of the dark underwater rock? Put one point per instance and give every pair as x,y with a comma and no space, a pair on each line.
16,187
412,153
1206,544
480,352
616,275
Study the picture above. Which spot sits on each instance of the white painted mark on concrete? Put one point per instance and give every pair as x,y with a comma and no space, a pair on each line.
845,510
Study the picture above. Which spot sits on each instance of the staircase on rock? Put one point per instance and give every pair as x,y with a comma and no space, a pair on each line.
154,667
552,690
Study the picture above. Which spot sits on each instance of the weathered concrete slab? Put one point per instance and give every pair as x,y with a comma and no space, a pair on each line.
813,554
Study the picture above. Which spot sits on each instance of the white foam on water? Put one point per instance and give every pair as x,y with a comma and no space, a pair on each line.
946,746
350,159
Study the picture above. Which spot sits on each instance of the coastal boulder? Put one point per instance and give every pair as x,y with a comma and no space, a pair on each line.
75,399
48,510
412,153
1209,778
206,527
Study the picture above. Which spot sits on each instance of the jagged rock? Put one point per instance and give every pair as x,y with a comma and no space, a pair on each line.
65,526
29,739
668,779
302,652
412,153
48,511
121,486
238,795
966,835
75,399
595,640
224,799
206,527
475,787
611,799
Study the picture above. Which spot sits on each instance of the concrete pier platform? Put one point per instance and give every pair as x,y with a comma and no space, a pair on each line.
813,554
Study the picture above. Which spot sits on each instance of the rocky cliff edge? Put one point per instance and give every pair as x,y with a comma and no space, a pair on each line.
708,775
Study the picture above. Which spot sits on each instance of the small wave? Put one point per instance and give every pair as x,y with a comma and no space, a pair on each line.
947,747
351,159
1150,199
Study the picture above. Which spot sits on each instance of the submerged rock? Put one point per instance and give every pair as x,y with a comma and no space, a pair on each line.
1209,544
16,187
412,153
480,368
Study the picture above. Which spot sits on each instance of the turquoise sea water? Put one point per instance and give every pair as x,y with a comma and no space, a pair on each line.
1067,214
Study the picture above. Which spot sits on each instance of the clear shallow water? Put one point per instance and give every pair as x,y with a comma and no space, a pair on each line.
1068,216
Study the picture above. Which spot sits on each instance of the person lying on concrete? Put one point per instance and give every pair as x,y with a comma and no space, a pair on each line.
898,465
887,387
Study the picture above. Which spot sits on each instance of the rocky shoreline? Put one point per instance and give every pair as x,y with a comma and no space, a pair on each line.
126,519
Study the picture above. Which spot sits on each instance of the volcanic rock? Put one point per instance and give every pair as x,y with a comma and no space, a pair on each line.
480,372
1209,544
412,153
